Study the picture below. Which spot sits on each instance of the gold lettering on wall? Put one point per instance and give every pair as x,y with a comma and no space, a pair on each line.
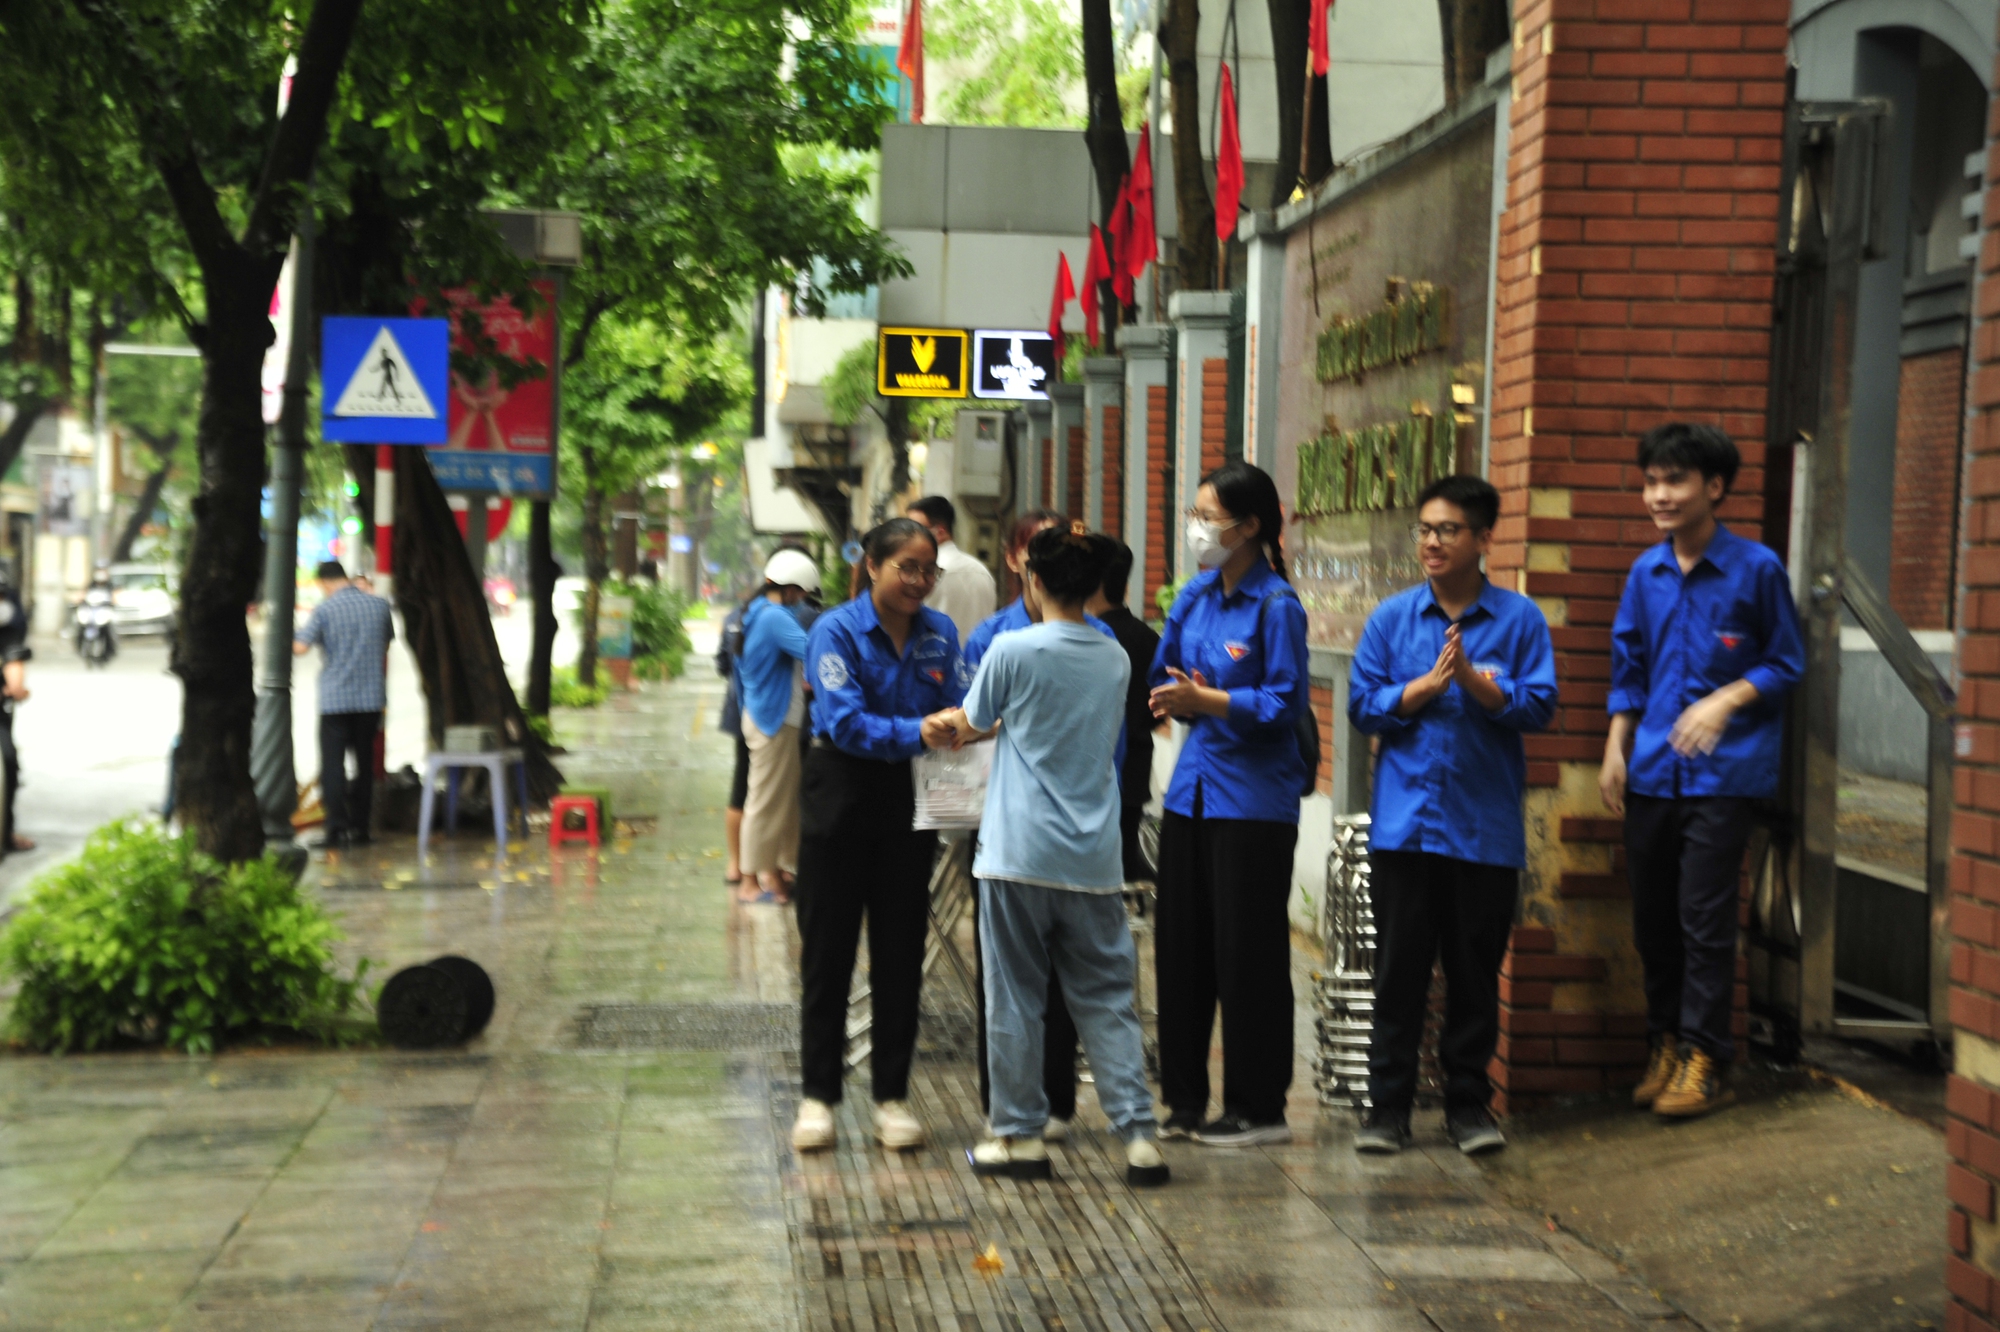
1414,319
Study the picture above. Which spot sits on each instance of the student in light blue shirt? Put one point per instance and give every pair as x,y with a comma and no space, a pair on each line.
1447,676
1050,863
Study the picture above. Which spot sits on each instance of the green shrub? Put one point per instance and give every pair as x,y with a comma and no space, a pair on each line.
833,580
660,665
657,612
539,723
565,691
144,939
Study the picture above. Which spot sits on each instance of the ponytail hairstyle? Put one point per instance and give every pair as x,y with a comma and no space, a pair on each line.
1069,561
1247,491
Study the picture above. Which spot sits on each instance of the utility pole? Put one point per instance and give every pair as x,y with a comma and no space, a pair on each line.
272,765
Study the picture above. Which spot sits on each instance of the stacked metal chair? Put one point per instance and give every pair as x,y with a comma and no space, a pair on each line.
1344,993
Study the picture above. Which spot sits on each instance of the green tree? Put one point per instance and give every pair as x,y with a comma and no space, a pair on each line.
1009,62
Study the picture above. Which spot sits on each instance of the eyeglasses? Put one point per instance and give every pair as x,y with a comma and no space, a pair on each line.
915,575
1446,534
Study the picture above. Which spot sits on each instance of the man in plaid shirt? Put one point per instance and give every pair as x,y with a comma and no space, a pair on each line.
353,628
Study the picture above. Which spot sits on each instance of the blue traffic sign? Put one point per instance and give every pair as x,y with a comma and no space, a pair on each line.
384,381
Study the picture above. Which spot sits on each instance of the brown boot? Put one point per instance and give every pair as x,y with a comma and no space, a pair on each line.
1661,1066
1697,1088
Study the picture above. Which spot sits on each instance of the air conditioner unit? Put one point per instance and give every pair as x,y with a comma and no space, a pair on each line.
981,449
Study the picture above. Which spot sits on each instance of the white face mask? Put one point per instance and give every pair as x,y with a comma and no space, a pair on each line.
1205,540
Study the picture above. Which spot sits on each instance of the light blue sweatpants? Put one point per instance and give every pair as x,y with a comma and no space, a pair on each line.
1025,930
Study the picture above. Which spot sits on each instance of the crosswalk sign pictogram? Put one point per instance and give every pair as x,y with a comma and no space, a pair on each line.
384,381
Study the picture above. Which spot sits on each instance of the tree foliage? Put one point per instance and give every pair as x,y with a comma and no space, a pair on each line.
1007,62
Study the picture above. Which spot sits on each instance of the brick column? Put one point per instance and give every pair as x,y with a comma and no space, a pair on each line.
1635,285
1029,473
1145,420
1972,1096
1103,392
1066,420
1201,378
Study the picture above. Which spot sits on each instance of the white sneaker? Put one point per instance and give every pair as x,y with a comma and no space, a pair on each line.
896,1128
1144,1166
1022,1158
812,1131
1056,1130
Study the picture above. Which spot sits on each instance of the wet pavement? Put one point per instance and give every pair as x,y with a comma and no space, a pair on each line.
614,1153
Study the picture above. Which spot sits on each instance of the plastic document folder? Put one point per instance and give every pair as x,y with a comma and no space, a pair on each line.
951,785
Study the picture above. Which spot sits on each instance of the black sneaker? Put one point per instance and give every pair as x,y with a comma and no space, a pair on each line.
1178,1126
1383,1132
1472,1130
1233,1130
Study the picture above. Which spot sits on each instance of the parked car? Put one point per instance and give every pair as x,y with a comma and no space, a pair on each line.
142,598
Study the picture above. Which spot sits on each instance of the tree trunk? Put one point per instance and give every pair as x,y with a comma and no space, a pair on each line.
1194,212
1291,21
1104,135
149,499
596,568
1470,30
542,574
449,628
211,654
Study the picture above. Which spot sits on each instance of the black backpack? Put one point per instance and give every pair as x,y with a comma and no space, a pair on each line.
1305,726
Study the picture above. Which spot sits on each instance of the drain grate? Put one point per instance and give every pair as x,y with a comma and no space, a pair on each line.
688,1027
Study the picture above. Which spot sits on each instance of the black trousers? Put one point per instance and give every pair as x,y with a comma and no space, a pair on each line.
1129,819
1432,910
739,780
1221,935
1059,1040
348,805
10,760
1685,861
859,861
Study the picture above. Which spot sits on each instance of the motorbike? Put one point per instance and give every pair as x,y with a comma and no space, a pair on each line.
96,637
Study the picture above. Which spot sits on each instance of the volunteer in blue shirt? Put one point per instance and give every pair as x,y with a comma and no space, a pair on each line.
1447,676
1051,879
773,710
1232,663
1705,644
880,665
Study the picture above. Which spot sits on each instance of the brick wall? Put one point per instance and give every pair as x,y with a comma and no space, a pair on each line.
1157,486
1923,534
1214,412
1113,480
1972,1133
1329,734
1079,449
1635,285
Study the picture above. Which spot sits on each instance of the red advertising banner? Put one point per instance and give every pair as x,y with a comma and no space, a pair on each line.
498,439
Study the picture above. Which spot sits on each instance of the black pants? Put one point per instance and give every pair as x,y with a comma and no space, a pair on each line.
348,805
1129,819
1059,1039
1432,910
739,780
1685,860
10,760
1221,934
858,859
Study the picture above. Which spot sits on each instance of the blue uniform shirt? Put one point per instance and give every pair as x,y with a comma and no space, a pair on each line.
1246,765
773,644
1679,638
1010,617
867,700
1449,779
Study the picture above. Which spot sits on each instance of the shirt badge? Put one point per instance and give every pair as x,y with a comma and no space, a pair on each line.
832,671
1728,640
1236,651
936,674
1488,671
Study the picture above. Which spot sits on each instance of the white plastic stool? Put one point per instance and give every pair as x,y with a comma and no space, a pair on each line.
496,762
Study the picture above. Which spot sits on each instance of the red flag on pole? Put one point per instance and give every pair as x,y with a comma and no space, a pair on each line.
1118,232
1144,246
1065,293
1095,269
910,58
1228,162
1316,40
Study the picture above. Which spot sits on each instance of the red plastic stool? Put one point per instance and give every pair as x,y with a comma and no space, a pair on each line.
560,832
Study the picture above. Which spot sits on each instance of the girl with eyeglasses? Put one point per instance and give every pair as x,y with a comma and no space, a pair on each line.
1232,663
880,665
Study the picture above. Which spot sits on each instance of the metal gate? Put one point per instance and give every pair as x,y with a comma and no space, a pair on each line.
1840,943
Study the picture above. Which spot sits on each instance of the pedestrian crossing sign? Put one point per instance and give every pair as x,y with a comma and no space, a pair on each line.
384,381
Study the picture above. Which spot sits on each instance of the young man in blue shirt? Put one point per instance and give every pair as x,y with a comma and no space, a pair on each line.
1448,675
1705,643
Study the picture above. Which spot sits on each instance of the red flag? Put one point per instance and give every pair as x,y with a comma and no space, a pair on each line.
1095,269
1064,294
1143,246
1228,162
1316,34
910,58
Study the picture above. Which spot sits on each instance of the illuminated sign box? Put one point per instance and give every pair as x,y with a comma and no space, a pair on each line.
1013,363
922,362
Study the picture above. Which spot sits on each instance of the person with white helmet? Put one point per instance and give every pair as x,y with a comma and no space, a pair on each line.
774,707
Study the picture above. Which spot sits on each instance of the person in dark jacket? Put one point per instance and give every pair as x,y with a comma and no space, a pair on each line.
1135,777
